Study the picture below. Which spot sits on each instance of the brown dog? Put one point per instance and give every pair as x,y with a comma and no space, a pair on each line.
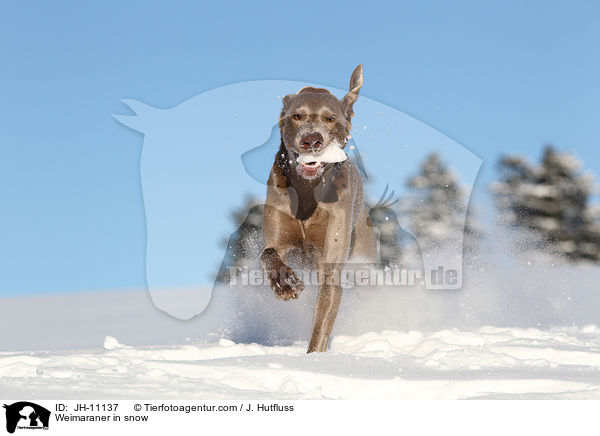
315,203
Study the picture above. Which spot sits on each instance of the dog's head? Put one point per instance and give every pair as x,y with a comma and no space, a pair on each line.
313,121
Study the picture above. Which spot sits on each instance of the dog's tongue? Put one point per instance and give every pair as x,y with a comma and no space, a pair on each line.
330,154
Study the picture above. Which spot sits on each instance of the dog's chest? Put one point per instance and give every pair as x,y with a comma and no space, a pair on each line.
314,228
327,191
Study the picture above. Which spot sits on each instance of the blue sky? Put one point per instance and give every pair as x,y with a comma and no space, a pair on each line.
495,76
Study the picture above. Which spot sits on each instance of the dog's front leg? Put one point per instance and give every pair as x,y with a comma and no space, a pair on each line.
335,253
282,233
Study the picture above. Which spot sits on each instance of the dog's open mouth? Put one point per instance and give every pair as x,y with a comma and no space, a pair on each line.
310,165
310,169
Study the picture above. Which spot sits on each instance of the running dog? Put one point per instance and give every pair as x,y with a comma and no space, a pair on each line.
315,203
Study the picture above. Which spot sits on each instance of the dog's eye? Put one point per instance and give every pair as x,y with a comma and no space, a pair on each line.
330,118
297,117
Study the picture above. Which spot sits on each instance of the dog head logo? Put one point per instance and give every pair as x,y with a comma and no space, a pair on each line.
26,415
192,176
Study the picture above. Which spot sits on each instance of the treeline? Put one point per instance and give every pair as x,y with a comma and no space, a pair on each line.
550,203
546,205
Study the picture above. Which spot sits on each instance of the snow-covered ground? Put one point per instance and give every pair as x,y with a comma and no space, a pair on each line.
484,363
388,343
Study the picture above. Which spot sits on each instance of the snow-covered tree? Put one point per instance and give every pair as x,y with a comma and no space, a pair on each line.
550,202
242,248
435,208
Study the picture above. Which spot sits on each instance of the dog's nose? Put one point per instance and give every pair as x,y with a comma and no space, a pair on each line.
312,141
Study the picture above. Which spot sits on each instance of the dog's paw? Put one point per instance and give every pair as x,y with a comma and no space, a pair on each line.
285,283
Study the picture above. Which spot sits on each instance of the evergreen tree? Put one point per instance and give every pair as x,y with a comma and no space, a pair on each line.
550,201
436,206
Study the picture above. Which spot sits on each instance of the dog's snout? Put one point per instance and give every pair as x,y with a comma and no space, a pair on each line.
312,141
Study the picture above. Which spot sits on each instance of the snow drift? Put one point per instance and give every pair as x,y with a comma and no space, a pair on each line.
448,364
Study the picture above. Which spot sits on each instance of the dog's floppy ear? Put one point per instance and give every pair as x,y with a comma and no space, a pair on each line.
286,102
356,82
